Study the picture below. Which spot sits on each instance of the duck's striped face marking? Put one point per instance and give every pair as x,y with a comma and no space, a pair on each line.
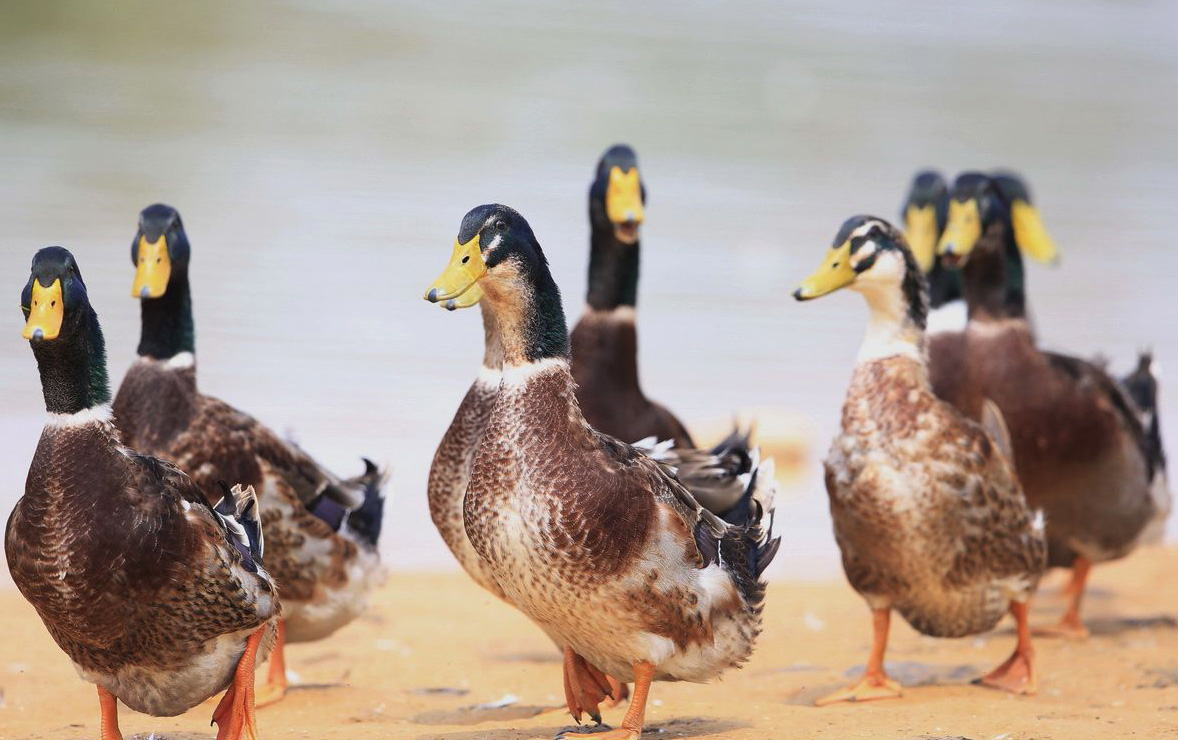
45,312
854,251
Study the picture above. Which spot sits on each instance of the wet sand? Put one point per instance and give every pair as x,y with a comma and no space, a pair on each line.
435,647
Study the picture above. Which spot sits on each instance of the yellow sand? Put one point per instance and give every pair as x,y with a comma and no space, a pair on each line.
434,645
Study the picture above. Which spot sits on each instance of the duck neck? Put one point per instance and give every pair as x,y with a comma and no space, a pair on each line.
613,270
73,368
167,326
530,319
492,343
994,278
897,323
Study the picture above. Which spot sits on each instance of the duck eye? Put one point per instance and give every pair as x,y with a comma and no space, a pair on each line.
500,224
466,259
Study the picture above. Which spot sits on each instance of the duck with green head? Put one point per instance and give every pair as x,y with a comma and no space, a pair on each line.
1081,450
158,597
321,530
597,543
928,514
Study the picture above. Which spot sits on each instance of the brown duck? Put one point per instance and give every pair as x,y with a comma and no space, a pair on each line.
927,511
156,596
600,545
1080,448
321,531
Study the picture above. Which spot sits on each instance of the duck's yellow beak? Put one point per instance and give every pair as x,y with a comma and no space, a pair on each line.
962,230
153,269
836,272
1030,234
465,269
623,197
472,296
920,229
46,312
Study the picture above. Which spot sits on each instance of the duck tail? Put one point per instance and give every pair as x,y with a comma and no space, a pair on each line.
750,545
1142,386
716,477
238,512
365,521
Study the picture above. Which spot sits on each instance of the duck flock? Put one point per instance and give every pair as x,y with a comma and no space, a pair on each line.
170,542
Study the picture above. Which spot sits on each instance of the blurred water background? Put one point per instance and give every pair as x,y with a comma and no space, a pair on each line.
323,154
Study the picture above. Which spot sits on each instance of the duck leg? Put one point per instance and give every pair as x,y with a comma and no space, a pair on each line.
1017,674
1070,625
631,728
584,686
875,683
618,692
276,685
109,724
234,715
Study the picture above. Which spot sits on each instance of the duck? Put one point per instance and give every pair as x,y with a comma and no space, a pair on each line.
158,597
605,338
600,545
1079,444
928,513
323,530
925,212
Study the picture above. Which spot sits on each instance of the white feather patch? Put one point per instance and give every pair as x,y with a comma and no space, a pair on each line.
520,374
94,415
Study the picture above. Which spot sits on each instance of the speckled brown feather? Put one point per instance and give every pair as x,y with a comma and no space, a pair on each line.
928,514
126,563
159,409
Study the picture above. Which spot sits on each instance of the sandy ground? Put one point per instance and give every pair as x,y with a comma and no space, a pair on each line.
435,647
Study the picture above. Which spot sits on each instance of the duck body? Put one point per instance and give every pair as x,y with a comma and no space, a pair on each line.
622,547
324,572
131,571
1080,451
927,512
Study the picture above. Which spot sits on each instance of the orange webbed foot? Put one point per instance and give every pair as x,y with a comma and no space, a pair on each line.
276,684
869,688
234,715
1017,673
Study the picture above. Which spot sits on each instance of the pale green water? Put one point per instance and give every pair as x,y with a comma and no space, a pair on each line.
323,158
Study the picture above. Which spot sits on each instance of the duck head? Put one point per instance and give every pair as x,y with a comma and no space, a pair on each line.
925,212
160,251
617,198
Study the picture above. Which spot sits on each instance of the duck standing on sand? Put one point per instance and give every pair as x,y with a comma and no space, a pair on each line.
598,544
157,597
321,530
1081,450
927,511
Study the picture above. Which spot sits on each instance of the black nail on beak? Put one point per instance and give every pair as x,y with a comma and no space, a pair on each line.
145,292
433,295
38,335
798,295
450,305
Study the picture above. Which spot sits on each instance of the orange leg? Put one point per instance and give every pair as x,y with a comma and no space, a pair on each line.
109,725
618,692
275,687
235,714
1071,625
875,683
1017,674
631,728
584,686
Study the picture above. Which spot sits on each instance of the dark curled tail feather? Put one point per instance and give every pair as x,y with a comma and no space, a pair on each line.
366,520
1142,387
748,547
238,513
